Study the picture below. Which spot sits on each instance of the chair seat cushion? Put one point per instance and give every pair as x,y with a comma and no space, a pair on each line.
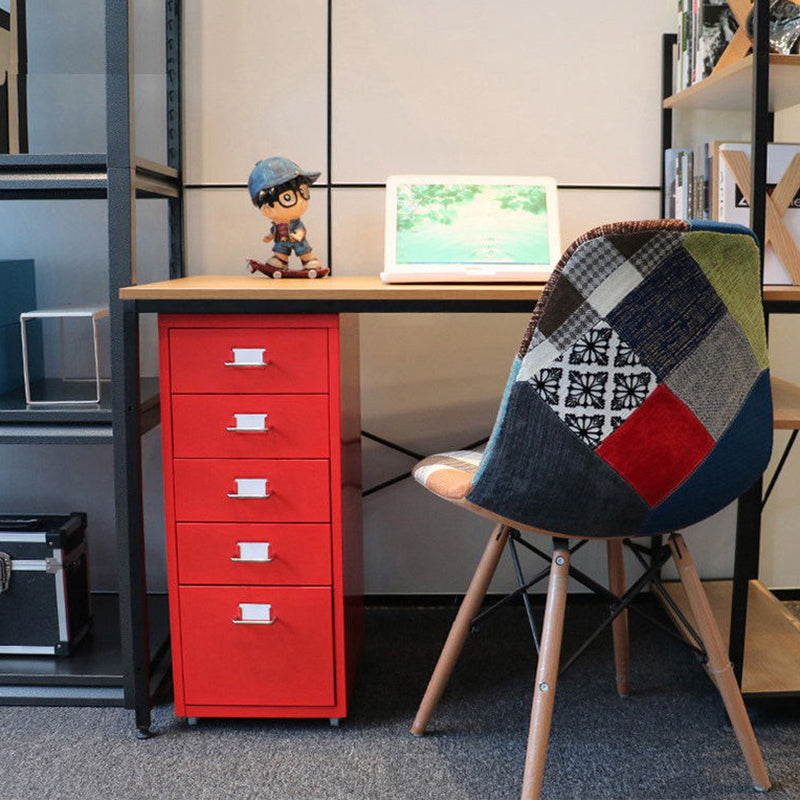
449,474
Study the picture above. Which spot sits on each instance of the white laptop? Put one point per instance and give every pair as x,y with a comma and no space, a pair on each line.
470,228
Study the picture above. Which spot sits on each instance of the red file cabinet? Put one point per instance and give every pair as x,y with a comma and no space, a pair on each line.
262,482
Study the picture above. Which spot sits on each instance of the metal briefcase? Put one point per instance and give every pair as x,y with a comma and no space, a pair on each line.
45,607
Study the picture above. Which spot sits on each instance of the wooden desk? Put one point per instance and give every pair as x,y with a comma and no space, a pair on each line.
251,295
361,289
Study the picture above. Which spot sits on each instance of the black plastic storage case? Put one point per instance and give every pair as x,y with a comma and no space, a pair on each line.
44,584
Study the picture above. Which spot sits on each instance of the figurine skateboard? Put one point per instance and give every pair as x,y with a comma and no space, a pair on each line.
285,272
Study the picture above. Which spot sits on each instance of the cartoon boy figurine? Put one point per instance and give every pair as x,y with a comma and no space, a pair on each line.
281,190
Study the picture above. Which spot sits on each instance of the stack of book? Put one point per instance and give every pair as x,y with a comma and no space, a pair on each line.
705,27
699,184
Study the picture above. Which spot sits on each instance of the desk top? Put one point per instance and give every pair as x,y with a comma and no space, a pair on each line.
349,288
366,287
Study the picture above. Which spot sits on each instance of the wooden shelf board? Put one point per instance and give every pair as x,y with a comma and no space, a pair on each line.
786,404
776,293
772,642
731,88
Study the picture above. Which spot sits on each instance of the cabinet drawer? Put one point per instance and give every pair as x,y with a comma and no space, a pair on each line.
286,663
265,426
299,491
295,361
254,554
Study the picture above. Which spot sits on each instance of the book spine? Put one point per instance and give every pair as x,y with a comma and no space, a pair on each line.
695,40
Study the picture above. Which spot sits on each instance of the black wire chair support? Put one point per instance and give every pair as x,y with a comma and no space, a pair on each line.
652,559
405,451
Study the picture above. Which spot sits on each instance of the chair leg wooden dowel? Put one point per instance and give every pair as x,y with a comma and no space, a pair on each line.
719,667
460,628
619,627
544,688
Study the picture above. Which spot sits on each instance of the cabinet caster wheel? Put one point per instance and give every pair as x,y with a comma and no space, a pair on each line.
192,721
335,721
144,733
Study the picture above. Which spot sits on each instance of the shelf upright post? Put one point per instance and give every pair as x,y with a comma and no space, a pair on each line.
668,43
125,362
748,519
175,134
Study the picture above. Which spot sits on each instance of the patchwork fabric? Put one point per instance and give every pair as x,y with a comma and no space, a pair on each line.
636,403
614,288
668,314
583,319
560,484
570,260
715,254
591,264
658,446
738,458
448,474
595,385
565,299
715,379
654,252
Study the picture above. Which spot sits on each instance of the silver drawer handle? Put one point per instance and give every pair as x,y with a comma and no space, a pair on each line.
248,357
250,553
255,614
251,489
252,560
250,423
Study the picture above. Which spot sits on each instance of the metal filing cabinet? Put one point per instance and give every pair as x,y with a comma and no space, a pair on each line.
262,485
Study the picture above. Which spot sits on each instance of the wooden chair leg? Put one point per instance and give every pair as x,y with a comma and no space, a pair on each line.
544,689
460,629
619,627
718,664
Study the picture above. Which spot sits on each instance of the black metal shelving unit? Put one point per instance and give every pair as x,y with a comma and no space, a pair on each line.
750,505
126,656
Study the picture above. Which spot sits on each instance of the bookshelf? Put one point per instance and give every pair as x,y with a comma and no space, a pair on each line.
127,655
763,638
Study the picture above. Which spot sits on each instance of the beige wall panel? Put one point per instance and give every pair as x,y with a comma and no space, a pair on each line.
255,86
224,229
581,211
569,90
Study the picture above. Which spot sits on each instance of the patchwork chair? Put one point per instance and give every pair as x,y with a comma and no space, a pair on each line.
638,404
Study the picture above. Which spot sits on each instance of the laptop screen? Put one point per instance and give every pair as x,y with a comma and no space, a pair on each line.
471,222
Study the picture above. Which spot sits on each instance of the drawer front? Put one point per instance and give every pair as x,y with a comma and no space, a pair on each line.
288,662
264,426
254,554
296,361
299,491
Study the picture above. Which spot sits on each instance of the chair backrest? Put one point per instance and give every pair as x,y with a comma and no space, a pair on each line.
639,401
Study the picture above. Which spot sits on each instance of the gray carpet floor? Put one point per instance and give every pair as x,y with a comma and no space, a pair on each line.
668,740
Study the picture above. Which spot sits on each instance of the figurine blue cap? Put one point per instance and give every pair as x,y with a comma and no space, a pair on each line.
273,172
